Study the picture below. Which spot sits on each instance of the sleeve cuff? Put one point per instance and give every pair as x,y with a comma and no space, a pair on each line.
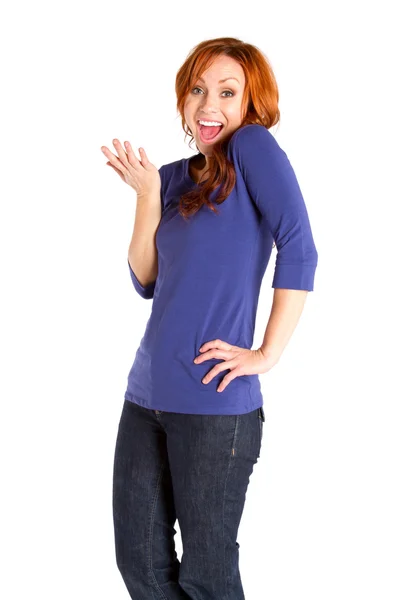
294,277
146,292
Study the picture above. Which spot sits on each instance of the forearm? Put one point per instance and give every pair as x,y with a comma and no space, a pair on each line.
286,310
142,254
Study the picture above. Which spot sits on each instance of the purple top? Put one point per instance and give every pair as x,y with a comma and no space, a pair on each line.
210,271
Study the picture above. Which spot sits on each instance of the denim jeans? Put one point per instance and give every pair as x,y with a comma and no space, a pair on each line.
194,468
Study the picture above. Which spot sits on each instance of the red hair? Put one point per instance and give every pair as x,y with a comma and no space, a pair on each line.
259,105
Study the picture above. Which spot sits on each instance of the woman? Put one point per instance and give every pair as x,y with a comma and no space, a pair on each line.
192,420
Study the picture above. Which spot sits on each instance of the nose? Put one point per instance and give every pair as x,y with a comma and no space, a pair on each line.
210,105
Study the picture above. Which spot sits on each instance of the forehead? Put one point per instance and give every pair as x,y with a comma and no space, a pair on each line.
221,69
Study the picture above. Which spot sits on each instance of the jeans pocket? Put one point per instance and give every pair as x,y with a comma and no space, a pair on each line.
261,419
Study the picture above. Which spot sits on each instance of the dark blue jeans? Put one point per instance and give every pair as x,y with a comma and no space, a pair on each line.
194,468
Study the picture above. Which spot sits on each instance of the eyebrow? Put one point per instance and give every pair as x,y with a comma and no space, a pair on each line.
221,81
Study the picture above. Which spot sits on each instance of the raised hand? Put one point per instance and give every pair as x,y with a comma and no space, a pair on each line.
141,175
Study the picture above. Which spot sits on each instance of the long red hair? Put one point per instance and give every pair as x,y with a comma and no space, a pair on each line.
259,105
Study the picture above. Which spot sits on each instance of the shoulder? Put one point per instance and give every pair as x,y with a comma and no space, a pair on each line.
254,148
170,170
172,166
251,138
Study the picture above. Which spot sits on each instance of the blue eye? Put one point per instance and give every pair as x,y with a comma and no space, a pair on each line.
226,91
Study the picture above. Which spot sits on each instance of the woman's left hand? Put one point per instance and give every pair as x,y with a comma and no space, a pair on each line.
240,361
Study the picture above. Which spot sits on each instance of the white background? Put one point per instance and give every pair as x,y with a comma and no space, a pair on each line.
321,519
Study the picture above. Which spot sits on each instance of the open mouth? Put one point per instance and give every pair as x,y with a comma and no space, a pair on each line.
209,133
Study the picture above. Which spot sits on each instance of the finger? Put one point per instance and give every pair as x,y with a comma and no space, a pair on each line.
227,379
215,344
131,155
210,375
217,369
114,160
121,153
145,160
111,157
116,170
214,353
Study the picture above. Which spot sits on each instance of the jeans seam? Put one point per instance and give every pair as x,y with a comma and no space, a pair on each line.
150,538
231,457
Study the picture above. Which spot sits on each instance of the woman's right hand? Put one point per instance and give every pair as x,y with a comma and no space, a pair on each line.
141,175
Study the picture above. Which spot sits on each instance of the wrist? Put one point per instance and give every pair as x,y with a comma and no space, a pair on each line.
270,352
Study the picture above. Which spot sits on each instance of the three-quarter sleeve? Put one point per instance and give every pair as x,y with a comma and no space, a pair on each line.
273,186
146,292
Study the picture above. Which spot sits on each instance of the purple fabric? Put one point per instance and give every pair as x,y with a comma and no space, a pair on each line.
210,271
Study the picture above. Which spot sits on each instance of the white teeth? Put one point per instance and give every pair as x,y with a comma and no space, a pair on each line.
210,123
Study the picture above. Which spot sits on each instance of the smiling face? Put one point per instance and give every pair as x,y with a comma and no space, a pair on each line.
215,101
